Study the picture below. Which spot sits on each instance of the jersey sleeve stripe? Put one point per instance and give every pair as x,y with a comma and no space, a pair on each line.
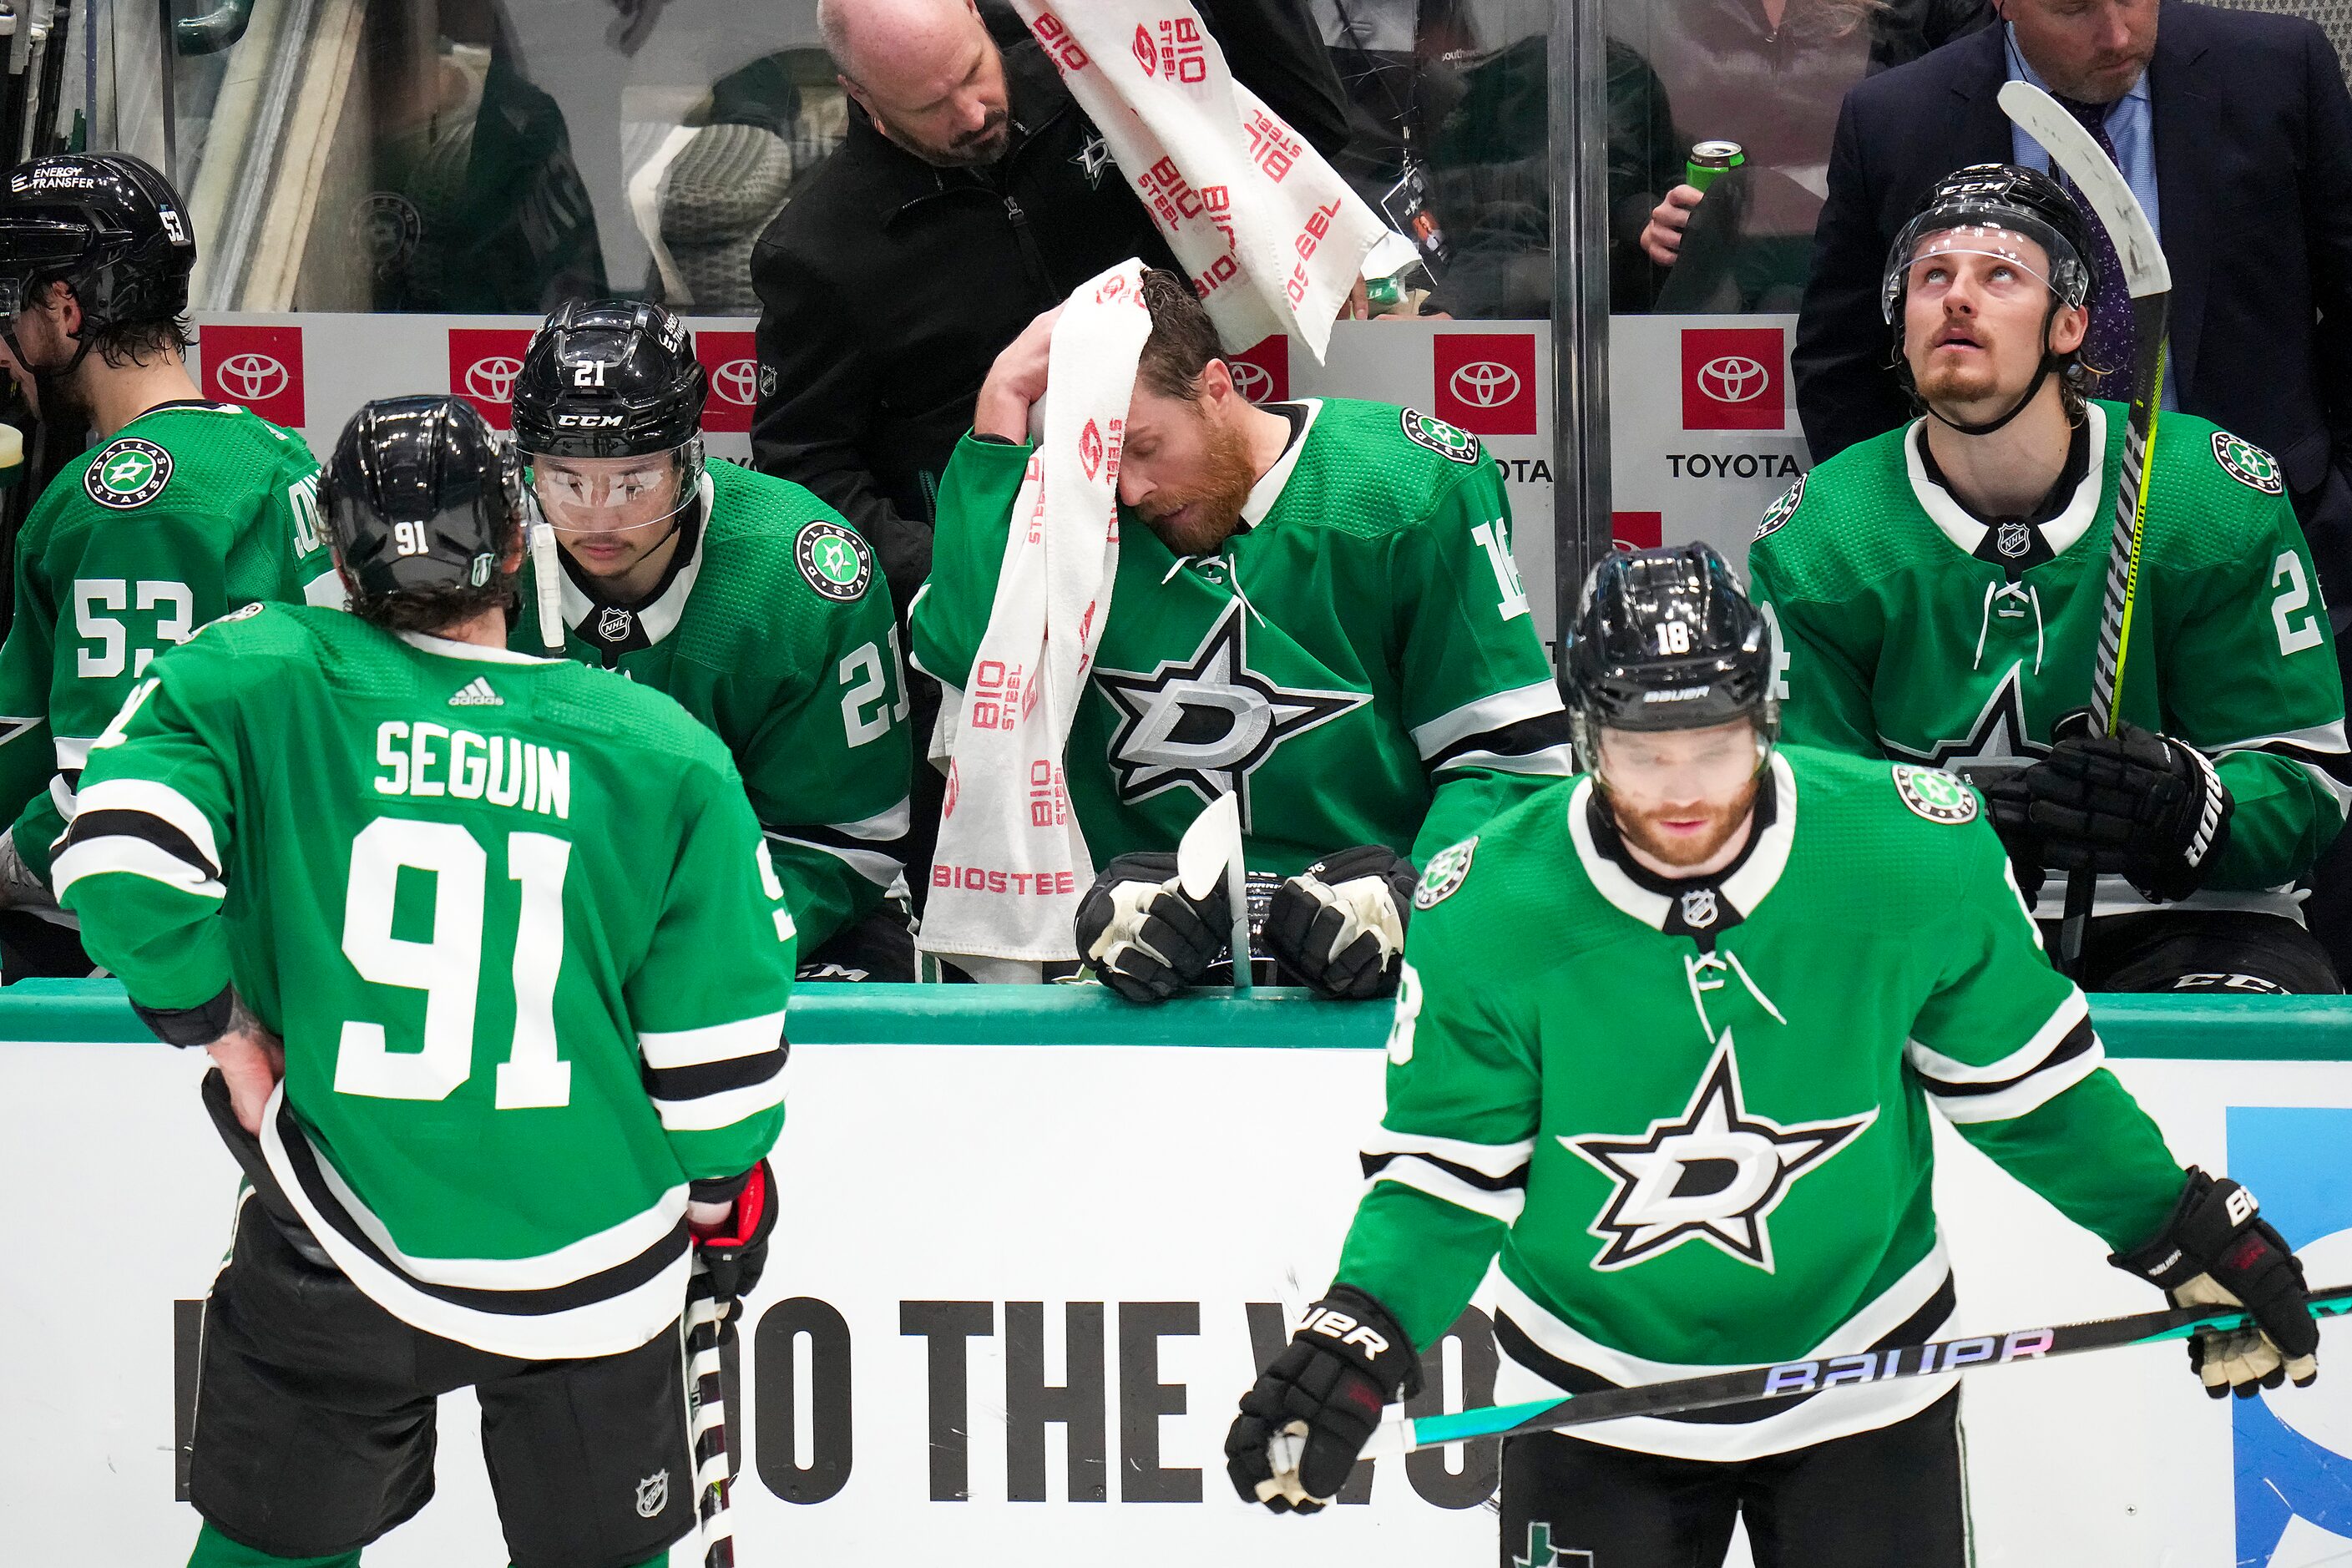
1500,710
878,867
1944,1071
1455,1184
156,800
712,1112
73,756
1499,1164
882,827
664,1048
134,857
703,1079
2035,1090
1552,762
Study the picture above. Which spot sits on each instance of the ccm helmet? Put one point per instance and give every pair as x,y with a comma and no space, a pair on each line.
106,225
420,498
1664,639
1983,210
610,378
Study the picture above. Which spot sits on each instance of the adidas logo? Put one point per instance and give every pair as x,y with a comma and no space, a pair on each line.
478,694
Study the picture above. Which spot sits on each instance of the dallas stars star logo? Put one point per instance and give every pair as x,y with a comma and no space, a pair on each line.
1998,739
1092,158
1711,1174
1206,724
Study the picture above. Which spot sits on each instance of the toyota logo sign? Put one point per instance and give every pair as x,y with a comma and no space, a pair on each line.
1254,381
1733,378
492,379
251,378
1484,384
738,382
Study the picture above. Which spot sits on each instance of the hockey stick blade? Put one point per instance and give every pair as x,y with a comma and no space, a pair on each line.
1789,1380
2077,154
1208,845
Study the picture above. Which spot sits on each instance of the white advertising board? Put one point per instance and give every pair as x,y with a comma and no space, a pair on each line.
966,1227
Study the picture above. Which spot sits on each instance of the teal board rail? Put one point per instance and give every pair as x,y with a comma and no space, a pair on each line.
2246,1029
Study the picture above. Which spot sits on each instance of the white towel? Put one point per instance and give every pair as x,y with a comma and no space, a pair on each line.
1012,863
1271,235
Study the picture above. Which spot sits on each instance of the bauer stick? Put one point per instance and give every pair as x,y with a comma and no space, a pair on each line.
706,1400
1404,1434
2147,280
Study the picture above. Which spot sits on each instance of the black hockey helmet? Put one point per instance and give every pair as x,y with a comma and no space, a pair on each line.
611,378
105,223
420,498
1664,639
1983,201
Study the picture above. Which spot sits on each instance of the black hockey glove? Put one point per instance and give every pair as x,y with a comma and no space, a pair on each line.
734,1253
2009,802
1138,931
1340,924
2216,1251
1317,1404
2136,803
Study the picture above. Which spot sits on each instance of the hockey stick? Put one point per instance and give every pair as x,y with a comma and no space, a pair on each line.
1211,847
2147,280
1404,1435
706,1399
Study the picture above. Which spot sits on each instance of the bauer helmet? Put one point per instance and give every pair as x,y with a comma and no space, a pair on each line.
1664,639
107,225
420,498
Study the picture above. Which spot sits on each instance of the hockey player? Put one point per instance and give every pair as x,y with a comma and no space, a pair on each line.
493,963
745,597
1315,609
1940,591
1614,1062
188,509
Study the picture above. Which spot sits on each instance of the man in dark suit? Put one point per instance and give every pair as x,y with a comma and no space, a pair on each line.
2235,131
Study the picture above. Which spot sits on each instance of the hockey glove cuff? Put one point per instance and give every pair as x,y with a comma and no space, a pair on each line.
1138,931
1317,1403
734,1252
2135,803
1340,924
2218,1251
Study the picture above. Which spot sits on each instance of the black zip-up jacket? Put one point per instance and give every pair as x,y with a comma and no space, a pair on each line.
887,286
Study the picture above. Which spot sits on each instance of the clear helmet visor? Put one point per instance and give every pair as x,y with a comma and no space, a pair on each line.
2015,253
1681,766
579,496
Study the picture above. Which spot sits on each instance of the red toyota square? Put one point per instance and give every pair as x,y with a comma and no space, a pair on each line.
1638,529
1735,378
1262,373
1486,382
258,367
733,360
483,364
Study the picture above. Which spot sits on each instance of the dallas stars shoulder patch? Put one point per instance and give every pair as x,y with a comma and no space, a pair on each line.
1450,442
1444,872
129,473
837,563
1934,795
2248,464
1778,514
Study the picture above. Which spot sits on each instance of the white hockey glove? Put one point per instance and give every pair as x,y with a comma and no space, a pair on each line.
1340,924
2218,1251
19,888
1138,931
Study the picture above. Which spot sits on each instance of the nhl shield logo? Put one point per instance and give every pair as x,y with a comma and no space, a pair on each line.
1443,873
2248,464
2012,539
1934,795
653,1495
613,623
1698,907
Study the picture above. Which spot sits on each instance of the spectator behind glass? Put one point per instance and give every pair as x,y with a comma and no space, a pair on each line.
1767,75
970,193
2236,133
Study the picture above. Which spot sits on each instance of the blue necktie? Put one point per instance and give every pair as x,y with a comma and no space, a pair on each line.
2107,350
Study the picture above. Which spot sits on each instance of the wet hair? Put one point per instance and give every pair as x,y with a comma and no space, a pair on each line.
1182,341
433,613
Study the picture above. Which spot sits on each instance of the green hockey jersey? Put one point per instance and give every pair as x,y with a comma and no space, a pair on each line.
1357,662
515,924
775,631
1909,629
1692,1115
193,509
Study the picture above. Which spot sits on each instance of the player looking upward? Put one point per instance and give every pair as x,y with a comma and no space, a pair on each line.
1615,1062
743,596
491,958
188,509
1939,590
1315,609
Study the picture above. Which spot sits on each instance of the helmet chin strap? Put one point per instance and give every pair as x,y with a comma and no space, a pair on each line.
2050,362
